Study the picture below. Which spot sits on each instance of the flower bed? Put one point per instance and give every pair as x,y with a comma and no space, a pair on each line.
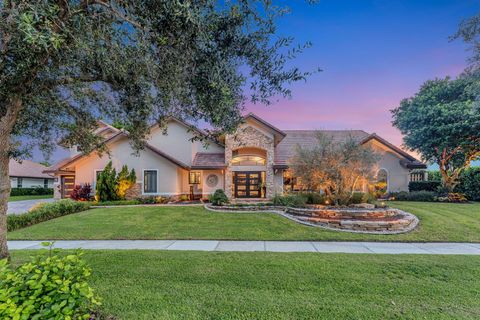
375,220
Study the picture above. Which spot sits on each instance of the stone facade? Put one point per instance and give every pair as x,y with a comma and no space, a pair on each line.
249,137
134,192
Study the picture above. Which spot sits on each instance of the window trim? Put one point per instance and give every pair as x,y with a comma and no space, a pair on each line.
143,182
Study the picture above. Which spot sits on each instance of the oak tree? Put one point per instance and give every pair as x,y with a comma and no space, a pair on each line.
64,63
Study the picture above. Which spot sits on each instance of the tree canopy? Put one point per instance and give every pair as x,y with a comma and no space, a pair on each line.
65,63
442,123
469,31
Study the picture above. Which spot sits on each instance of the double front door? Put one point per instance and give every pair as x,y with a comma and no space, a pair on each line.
248,184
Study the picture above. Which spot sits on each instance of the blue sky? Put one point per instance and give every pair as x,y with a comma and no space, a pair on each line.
373,53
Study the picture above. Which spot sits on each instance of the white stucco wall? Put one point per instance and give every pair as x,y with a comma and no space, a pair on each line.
206,190
398,176
177,144
169,182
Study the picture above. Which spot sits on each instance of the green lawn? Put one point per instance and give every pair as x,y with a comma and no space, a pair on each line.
438,222
20,198
218,285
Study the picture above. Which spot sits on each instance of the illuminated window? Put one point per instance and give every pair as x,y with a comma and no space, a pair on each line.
247,160
194,177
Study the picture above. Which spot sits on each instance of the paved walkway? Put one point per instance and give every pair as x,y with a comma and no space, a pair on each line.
266,246
15,207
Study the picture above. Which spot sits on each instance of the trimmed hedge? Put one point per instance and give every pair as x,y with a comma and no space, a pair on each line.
423,185
426,196
44,212
37,191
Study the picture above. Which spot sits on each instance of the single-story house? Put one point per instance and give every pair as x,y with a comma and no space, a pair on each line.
251,163
28,174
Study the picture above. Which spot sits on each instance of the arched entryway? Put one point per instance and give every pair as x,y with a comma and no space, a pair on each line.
249,166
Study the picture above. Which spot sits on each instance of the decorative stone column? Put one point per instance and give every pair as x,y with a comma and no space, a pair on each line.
249,137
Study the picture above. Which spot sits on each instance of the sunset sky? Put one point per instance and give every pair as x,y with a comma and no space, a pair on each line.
373,53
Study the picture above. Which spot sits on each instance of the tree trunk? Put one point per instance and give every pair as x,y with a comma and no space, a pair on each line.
7,123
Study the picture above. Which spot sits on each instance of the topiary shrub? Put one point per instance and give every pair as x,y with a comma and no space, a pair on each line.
218,198
47,287
44,212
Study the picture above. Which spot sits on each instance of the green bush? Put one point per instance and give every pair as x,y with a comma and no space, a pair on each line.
48,287
289,200
37,191
424,185
124,181
218,198
358,197
106,186
427,196
470,184
44,212
434,175
313,197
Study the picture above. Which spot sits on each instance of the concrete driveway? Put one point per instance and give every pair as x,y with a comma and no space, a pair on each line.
17,207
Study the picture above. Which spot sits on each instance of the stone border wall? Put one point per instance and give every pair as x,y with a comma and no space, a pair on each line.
403,222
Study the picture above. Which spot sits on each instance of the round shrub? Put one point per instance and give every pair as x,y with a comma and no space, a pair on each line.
218,198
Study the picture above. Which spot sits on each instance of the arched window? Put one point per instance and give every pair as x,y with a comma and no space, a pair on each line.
381,185
249,156
248,160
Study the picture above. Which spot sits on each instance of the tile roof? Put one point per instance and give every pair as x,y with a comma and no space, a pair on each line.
27,169
286,148
205,160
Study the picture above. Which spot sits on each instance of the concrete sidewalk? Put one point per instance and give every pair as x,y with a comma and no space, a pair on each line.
264,246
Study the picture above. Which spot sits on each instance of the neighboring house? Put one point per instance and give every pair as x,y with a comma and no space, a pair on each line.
252,163
29,174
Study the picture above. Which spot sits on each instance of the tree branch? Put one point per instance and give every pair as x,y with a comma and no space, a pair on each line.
115,12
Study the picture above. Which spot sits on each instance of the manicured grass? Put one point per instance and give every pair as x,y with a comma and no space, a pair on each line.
438,222
218,285
20,198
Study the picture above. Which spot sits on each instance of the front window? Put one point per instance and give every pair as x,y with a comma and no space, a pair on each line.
150,181
45,183
194,177
19,182
248,160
